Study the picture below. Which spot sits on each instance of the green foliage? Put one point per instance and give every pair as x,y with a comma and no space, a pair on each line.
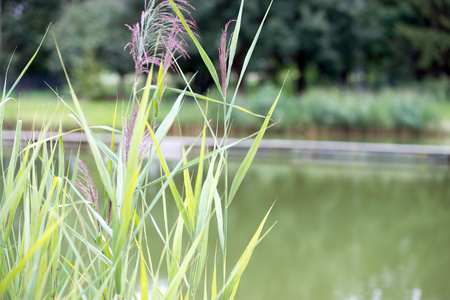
389,109
322,107
346,111
91,35
87,75
21,26
379,39
348,42
333,37
65,236
426,26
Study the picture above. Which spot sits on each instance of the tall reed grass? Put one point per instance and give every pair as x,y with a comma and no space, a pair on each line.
65,237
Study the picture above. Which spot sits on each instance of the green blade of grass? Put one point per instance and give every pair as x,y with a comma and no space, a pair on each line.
179,202
165,125
207,61
159,194
44,238
89,135
195,95
199,179
238,270
175,258
6,96
220,224
187,261
189,192
245,165
214,279
209,189
197,160
144,278
12,197
247,60
14,156
234,41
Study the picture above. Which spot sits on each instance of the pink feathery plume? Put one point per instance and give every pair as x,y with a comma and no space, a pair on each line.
109,212
173,45
86,185
224,52
159,35
128,129
7,220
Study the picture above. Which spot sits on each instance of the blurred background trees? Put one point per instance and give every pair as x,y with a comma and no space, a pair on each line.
425,25
22,25
356,43
91,36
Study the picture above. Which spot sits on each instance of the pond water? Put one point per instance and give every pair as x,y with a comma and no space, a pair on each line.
347,230
352,231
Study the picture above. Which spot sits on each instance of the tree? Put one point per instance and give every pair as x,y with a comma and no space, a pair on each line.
92,36
22,25
335,37
326,40
425,25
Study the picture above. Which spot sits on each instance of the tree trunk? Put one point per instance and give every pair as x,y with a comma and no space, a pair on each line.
121,87
301,65
343,78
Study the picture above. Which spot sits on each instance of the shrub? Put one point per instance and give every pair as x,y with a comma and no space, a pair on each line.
331,108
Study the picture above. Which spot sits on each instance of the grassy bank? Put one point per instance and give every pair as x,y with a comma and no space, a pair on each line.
318,111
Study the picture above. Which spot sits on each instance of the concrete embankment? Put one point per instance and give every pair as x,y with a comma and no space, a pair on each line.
307,149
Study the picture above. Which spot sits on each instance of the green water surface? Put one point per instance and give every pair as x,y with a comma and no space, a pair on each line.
345,232
348,231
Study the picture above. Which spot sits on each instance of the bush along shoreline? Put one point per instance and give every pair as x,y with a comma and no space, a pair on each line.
333,113
65,236
319,113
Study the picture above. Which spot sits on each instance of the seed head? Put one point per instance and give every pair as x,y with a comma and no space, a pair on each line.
128,129
86,185
159,36
224,52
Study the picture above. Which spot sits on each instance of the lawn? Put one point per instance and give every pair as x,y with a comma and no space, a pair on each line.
410,108
34,107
